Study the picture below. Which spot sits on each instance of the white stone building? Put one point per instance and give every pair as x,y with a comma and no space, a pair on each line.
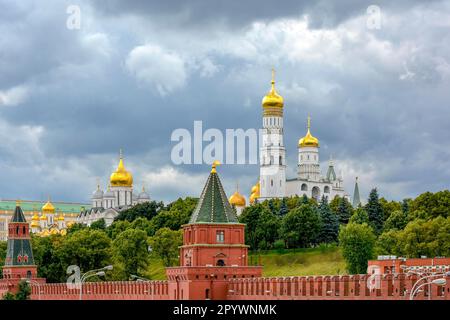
118,196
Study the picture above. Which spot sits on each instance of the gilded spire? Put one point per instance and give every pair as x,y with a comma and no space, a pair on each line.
214,165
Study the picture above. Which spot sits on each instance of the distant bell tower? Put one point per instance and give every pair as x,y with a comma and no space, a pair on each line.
19,262
272,151
308,156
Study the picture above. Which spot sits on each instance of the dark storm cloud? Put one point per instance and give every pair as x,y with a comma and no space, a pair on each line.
199,13
120,83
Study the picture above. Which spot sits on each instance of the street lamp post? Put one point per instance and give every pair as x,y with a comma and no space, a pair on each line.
438,282
92,273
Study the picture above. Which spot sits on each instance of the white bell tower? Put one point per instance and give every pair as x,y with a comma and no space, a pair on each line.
272,151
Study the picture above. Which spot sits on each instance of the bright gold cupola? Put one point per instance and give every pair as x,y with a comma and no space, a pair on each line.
121,177
48,207
309,140
273,103
237,199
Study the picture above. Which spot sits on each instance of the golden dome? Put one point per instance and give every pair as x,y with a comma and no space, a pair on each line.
63,232
54,231
61,217
121,177
237,199
43,217
48,207
70,223
309,140
35,217
255,193
35,224
273,103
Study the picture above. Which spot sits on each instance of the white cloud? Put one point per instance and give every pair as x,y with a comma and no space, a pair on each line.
13,96
157,67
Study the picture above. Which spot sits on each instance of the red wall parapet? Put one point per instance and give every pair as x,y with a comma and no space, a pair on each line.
346,287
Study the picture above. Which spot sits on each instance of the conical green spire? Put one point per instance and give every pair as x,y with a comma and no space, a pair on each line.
19,252
356,199
331,175
213,206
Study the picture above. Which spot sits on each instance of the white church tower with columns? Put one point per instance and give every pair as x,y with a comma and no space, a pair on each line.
272,152
309,180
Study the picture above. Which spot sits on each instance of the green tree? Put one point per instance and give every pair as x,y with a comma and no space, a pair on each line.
165,244
117,227
3,247
283,208
359,216
131,250
389,207
375,211
100,224
172,219
145,210
267,229
24,291
47,258
344,210
86,248
330,223
430,205
75,227
144,225
357,242
397,220
301,226
8,296
388,243
250,217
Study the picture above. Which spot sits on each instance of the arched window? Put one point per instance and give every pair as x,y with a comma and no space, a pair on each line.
326,189
220,263
304,187
271,182
315,193
280,160
17,230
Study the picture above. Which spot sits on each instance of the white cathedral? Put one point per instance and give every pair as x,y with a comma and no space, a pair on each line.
309,181
119,196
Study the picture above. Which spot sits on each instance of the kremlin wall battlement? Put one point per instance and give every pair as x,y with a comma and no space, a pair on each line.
345,287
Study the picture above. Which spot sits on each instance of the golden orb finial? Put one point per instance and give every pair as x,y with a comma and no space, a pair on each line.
214,165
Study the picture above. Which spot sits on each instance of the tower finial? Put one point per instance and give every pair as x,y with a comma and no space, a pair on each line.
18,203
309,122
120,153
273,76
214,165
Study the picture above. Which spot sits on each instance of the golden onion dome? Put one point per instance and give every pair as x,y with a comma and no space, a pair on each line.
255,193
48,207
54,231
43,217
273,103
121,177
308,140
35,217
35,224
237,199
61,217
63,232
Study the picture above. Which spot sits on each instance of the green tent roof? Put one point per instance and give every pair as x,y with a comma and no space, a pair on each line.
18,215
213,206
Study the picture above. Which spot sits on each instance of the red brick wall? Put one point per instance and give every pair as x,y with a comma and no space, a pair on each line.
352,287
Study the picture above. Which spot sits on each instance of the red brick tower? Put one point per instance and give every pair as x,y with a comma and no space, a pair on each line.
19,262
213,249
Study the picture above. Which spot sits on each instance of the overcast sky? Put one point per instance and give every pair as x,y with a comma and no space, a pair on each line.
137,70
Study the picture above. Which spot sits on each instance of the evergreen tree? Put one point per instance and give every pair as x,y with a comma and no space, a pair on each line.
360,216
330,223
283,208
272,207
375,211
304,200
405,206
344,210
301,226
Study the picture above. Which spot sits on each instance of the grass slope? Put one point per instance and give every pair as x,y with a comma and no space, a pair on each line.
298,262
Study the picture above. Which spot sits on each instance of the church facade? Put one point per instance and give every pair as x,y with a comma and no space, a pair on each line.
118,196
309,181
